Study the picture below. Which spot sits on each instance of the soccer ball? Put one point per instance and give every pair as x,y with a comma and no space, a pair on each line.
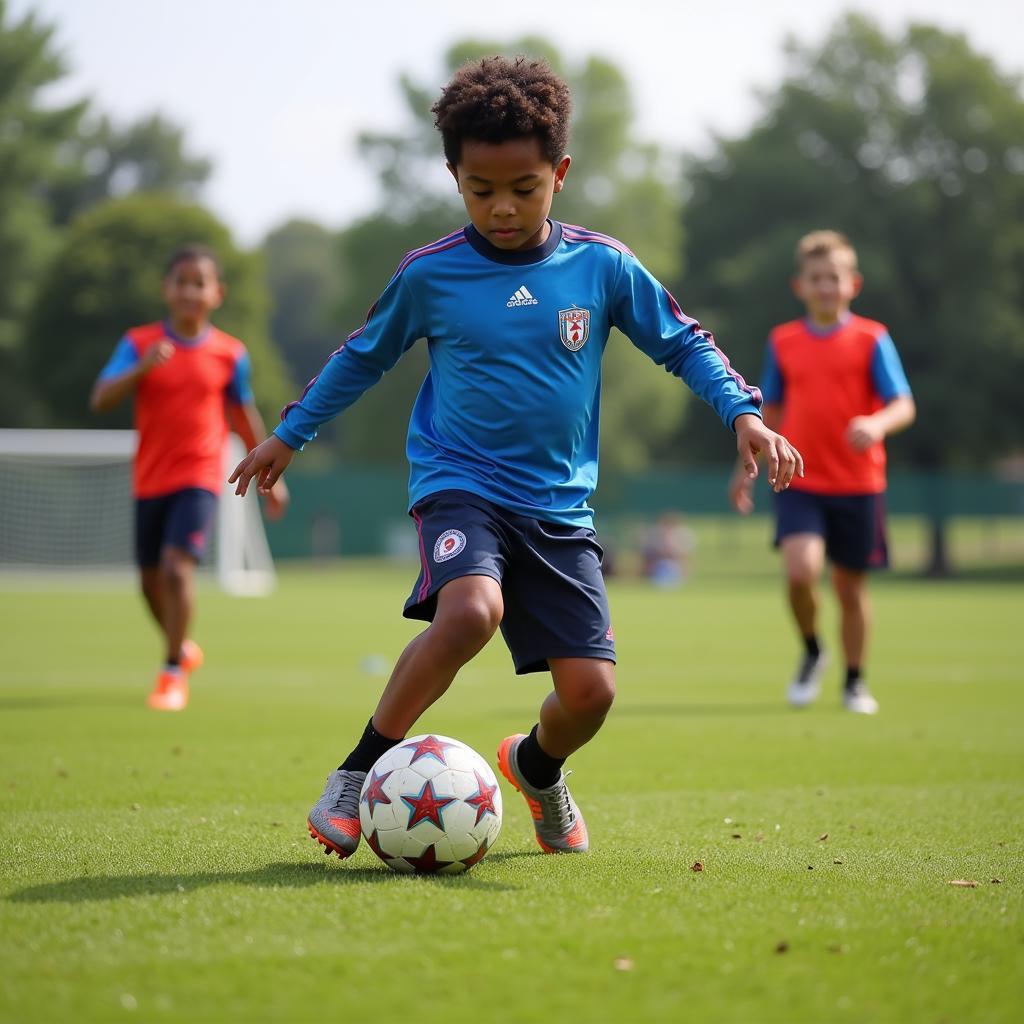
430,804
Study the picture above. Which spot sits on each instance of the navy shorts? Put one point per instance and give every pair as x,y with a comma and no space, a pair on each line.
853,525
183,519
550,575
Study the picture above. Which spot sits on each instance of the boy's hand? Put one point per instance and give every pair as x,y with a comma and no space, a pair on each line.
156,355
863,431
266,462
753,438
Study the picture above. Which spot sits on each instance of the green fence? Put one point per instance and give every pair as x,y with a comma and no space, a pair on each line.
360,511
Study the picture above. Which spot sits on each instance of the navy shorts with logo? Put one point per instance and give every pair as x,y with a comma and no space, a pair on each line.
183,519
550,575
853,525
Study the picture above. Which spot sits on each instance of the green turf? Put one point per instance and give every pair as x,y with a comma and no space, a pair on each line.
155,867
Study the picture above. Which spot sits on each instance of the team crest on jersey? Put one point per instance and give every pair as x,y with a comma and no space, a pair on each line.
448,545
574,327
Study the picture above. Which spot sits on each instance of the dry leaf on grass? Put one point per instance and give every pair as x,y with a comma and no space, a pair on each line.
697,866
623,963
782,947
822,837
964,883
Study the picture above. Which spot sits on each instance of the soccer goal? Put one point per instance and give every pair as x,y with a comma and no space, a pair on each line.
66,506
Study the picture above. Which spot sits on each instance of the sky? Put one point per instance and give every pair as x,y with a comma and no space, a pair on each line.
275,94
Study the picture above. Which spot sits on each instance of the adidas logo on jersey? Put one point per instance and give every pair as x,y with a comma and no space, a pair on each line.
522,297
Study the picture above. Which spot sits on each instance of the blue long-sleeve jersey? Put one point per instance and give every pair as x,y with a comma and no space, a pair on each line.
509,407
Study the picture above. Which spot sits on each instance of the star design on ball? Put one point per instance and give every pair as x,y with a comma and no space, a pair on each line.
429,746
426,805
475,858
483,799
374,843
427,863
374,793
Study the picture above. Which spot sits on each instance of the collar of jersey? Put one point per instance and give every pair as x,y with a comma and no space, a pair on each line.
515,257
827,332
186,342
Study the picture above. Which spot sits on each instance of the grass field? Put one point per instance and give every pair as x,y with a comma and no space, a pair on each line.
156,867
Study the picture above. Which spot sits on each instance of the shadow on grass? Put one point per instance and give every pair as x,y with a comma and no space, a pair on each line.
272,876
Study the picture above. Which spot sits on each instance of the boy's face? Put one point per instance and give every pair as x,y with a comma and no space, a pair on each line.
826,285
192,291
507,188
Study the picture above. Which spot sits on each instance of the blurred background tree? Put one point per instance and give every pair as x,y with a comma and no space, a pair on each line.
31,140
107,277
103,161
913,145
304,278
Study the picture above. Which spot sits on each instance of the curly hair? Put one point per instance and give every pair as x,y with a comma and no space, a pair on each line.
496,99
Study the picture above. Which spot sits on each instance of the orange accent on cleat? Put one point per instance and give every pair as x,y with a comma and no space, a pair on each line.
328,846
576,839
170,692
192,656
349,826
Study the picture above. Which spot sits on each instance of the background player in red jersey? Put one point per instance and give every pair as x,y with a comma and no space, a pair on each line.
191,384
833,384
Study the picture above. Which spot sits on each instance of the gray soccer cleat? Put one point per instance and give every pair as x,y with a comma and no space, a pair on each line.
807,681
334,820
557,820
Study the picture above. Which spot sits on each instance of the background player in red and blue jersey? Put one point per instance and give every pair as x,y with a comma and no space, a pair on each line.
833,383
191,384
516,310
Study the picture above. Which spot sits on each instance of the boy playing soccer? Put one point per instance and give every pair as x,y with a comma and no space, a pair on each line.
833,383
516,310
190,382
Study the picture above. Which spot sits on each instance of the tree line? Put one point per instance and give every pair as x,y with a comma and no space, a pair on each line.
912,143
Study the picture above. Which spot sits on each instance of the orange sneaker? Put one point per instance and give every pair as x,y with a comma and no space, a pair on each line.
191,656
557,820
170,692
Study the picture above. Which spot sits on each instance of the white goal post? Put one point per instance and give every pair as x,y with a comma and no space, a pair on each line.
66,506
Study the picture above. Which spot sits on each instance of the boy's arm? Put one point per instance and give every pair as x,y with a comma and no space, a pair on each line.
392,327
891,384
121,375
864,431
246,421
648,314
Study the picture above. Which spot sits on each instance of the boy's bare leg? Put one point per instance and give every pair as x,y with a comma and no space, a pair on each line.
803,556
177,587
152,591
855,612
577,707
570,715
469,610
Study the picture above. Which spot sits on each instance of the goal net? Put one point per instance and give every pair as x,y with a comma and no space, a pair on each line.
66,506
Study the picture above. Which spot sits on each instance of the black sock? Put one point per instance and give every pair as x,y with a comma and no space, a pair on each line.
811,646
539,769
852,676
371,746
